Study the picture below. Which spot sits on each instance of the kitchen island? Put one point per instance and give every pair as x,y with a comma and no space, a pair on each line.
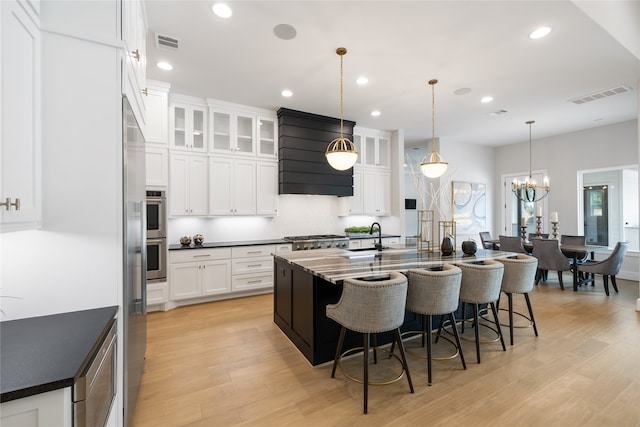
306,281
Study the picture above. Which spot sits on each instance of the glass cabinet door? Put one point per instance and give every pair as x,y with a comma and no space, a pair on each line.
383,152
198,118
221,131
267,144
244,137
179,126
370,150
357,141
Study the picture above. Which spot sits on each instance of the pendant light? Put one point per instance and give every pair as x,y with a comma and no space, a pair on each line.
341,152
434,164
528,190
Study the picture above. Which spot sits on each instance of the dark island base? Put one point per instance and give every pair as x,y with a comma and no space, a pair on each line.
300,300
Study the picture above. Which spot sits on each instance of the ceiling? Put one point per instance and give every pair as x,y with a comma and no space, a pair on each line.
401,45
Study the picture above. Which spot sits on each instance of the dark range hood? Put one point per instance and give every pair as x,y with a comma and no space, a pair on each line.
303,167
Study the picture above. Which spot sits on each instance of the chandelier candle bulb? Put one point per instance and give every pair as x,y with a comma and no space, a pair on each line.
523,222
539,212
554,216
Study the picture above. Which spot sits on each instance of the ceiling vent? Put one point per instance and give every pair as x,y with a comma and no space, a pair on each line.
602,94
166,42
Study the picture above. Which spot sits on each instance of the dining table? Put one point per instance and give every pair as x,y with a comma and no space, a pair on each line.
576,253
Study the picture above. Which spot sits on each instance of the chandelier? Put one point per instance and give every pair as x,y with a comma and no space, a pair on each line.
434,164
528,190
341,152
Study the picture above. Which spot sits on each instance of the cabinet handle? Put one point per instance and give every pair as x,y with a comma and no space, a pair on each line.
136,54
254,281
254,265
201,256
254,252
7,204
145,92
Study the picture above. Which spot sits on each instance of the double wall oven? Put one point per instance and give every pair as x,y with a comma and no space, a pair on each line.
156,236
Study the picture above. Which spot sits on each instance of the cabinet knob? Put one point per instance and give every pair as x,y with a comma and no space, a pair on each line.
136,55
145,92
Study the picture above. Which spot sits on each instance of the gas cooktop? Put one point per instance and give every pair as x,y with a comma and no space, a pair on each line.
317,241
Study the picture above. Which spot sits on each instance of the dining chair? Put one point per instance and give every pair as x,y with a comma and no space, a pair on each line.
370,307
511,244
566,239
608,267
519,274
432,293
484,237
549,257
538,236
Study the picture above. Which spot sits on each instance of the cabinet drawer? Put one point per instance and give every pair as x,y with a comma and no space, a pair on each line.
252,251
252,265
196,255
157,293
252,281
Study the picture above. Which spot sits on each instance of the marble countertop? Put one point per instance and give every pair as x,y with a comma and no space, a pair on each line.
335,265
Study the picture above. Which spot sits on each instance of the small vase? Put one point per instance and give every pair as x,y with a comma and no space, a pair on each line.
469,247
447,246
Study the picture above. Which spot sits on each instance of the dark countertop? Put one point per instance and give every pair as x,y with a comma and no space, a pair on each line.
370,236
46,353
335,265
210,245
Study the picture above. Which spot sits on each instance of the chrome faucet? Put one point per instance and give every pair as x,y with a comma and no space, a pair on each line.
379,244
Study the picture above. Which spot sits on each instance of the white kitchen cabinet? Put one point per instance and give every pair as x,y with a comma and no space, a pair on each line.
353,205
188,124
252,267
232,186
196,273
188,185
156,103
134,37
267,137
53,408
157,293
374,146
20,151
232,132
157,166
376,188
266,188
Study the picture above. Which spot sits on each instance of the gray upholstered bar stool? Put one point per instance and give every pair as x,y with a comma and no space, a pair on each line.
481,284
518,278
433,292
371,307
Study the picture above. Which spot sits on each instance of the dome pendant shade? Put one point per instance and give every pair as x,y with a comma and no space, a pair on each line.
434,167
341,154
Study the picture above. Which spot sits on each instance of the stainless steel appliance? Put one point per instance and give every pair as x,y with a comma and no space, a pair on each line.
156,236
135,260
156,214
317,241
95,389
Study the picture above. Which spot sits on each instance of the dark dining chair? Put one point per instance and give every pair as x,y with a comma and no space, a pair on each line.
511,244
549,257
566,239
608,267
538,236
484,237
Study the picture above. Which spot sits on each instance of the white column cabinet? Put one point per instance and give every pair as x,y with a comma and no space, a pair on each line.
157,166
376,192
188,185
232,132
196,273
157,113
232,186
20,151
134,36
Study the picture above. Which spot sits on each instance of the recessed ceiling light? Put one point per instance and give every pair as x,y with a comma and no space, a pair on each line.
222,10
486,99
375,113
165,66
362,80
540,33
462,91
286,93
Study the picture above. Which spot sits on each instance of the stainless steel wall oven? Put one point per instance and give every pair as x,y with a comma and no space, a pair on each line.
156,236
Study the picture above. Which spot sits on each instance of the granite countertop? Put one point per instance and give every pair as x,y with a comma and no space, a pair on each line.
335,265
210,245
46,353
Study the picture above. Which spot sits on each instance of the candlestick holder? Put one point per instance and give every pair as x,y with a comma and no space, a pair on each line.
523,232
554,228
538,226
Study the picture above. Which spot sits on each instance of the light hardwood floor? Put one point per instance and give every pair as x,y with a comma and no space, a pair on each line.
227,364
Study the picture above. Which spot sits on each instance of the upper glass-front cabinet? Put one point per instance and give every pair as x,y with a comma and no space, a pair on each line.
357,141
377,148
188,127
233,132
267,137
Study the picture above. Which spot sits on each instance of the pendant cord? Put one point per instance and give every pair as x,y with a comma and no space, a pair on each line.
433,118
341,121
